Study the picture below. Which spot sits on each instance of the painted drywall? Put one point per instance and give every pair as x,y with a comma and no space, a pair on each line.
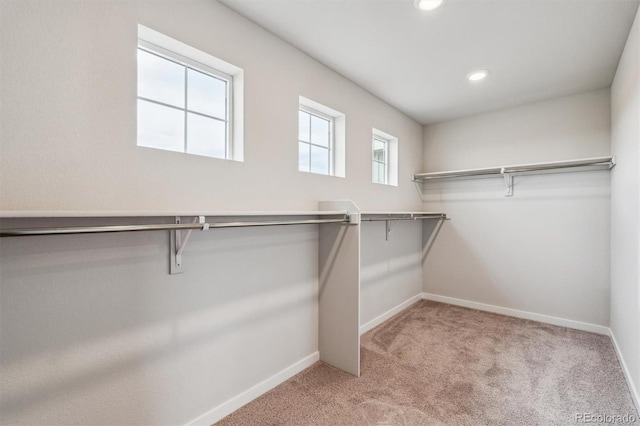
95,330
625,208
390,270
68,85
546,249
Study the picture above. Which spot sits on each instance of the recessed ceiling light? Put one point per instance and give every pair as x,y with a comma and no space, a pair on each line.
477,75
427,4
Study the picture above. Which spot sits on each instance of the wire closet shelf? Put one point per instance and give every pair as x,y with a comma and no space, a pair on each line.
508,172
596,163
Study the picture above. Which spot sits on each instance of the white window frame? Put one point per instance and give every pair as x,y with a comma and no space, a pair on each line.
392,157
386,142
337,141
330,148
190,57
193,65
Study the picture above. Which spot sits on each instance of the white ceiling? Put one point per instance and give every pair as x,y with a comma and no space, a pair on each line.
417,61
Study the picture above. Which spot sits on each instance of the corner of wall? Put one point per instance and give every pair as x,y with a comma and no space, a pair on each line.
625,210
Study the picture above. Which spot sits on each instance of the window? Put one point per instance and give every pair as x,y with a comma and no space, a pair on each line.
186,105
384,168
320,139
315,139
380,159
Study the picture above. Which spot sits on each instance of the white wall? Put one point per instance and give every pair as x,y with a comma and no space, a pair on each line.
625,207
69,116
546,249
390,271
93,329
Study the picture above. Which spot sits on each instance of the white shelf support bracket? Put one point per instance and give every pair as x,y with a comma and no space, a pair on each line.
179,241
508,181
389,224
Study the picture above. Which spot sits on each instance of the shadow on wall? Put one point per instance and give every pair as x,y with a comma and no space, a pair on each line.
452,267
79,311
377,274
430,231
384,260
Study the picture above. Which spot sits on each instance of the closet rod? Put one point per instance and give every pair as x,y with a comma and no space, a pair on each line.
385,218
458,173
607,162
21,232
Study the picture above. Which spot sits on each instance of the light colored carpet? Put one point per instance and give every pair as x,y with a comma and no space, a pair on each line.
438,364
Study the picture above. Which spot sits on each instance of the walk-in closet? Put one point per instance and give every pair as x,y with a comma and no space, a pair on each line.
314,212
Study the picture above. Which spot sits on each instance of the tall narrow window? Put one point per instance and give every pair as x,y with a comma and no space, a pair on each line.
380,167
315,141
321,139
384,158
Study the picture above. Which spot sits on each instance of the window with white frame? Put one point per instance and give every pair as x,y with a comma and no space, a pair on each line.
315,141
384,164
320,139
184,104
380,167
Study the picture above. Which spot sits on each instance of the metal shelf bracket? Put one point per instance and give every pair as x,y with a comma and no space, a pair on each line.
389,224
179,241
508,181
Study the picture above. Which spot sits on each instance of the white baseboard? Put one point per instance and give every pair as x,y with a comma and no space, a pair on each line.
391,312
632,388
252,393
594,328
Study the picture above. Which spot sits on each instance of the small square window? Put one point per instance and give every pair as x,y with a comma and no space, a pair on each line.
181,108
188,100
